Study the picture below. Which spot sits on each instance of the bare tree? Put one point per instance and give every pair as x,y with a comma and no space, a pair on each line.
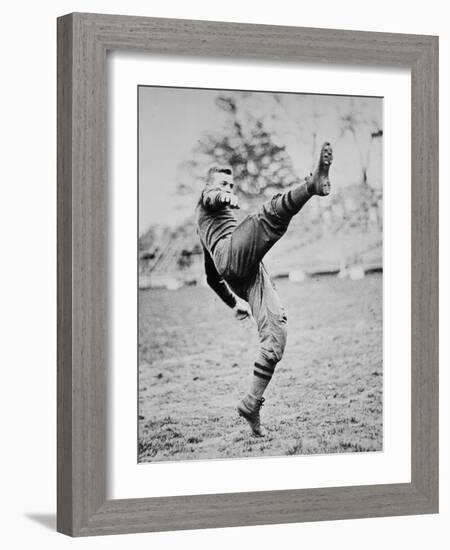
259,162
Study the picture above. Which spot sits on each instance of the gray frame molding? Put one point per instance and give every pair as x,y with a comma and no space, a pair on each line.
83,40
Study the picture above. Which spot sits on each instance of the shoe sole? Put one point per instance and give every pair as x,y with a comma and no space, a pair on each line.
326,154
326,158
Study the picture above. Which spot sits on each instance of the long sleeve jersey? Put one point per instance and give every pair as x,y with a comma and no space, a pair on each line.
216,282
214,222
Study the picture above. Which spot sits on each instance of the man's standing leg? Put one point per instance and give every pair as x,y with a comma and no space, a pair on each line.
271,321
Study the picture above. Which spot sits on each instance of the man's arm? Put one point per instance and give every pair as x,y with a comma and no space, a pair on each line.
213,199
216,282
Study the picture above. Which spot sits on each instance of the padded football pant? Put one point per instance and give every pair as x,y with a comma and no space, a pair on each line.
238,258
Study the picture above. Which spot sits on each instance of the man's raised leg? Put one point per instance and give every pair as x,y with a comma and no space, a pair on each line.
258,232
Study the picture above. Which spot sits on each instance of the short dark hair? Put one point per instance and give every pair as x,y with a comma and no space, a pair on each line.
219,169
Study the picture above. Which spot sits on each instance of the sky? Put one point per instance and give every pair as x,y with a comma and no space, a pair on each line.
171,121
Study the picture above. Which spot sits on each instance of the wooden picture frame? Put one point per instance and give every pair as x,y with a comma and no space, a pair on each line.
83,40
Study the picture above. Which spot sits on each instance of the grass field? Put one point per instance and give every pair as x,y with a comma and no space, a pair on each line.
195,362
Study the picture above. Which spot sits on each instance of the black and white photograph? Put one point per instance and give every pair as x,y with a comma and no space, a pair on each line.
260,260
223,233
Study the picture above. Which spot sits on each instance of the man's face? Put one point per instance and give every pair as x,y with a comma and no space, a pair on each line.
222,181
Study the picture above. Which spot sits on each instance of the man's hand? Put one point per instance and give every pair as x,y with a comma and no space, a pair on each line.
229,198
241,310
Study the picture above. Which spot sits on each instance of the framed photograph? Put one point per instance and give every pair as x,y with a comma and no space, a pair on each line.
247,274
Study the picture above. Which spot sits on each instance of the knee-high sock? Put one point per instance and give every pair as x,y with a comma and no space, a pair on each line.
289,203
262,375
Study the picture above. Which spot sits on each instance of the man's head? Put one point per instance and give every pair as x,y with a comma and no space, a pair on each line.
220,177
